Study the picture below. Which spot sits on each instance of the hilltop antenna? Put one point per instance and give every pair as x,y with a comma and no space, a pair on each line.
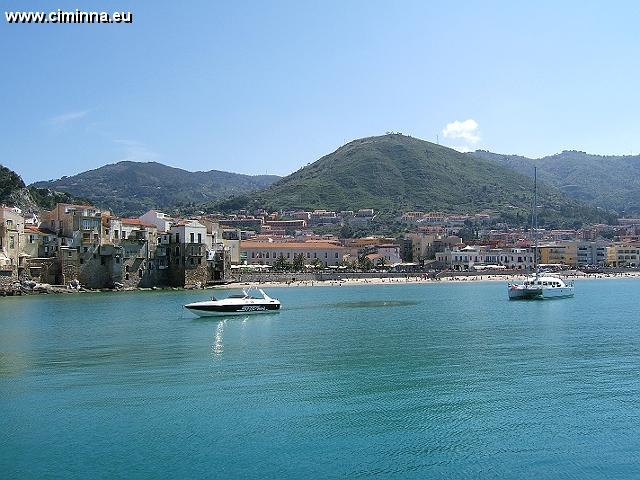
437,139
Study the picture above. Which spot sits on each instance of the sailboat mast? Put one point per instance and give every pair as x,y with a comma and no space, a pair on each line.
535,219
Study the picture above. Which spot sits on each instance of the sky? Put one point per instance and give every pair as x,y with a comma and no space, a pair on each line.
270,86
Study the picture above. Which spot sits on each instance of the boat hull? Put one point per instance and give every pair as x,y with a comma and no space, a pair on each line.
223,310
516,293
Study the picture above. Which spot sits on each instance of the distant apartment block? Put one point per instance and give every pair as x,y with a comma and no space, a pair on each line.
268,253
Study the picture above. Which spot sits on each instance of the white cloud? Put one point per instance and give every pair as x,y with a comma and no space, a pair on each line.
66,118
466,130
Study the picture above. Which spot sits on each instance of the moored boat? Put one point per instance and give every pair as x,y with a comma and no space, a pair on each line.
540,287
239,304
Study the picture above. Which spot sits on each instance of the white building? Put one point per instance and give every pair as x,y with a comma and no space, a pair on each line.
189,231
390,253
161,220
465,259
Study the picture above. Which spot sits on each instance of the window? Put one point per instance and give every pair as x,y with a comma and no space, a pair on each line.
116,233
177,238
85,249
81,261
288,254
126,268
177,251
308,255
124,235
199,238
31,239
140,272
126,276
69,253
267,255
191,261
191,237
117,259
199,261
336,254
253,254
326,255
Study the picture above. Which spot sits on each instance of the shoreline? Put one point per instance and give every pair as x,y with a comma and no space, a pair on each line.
348,282
416,280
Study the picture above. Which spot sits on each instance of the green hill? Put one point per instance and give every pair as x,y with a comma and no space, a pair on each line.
394,173
132,188
10,183
611,182
29,199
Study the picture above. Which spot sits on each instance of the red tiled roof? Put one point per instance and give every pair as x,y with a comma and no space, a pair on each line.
290,245
135,221
34,229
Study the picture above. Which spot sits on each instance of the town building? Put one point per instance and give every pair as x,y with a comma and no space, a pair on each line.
471,256
268,253
624,255
11,232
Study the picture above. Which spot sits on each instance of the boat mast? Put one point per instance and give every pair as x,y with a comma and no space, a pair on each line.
535,220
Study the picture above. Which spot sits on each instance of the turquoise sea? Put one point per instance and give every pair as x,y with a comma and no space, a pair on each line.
393,381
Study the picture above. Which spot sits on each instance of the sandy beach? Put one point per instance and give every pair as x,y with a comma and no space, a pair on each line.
419,280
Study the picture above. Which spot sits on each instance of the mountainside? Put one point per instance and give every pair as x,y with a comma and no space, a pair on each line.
10,182
400,173
30,199
611,182
132,188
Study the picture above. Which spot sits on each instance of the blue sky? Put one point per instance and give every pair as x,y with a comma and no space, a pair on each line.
267,87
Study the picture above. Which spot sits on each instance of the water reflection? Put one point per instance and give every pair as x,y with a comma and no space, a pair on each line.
217,347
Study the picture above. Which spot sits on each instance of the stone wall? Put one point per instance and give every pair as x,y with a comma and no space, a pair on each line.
128,263
43,270
93,268
8,276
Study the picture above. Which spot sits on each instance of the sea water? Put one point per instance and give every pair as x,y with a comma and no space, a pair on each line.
392,381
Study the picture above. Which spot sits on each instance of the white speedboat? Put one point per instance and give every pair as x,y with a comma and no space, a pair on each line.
540,287
240,304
